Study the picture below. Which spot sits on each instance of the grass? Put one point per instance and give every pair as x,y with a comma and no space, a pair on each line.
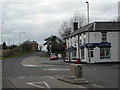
45,55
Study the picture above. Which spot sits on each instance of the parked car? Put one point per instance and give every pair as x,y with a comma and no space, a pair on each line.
53,57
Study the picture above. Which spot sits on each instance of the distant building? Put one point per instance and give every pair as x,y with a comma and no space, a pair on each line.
100,38
31,44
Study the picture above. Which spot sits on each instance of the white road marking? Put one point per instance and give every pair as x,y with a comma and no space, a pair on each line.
46,85
34,84
56,69
80,86
49,77
97,85
21,77
48,65
74,85
31,77
95,69
28,65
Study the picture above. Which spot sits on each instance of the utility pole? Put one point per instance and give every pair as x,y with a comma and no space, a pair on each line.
2,31
88,32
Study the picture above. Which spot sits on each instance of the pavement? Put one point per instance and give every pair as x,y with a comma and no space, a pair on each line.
30,62
35,61
52,62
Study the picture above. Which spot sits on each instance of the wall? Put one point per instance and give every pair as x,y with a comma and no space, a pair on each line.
112,37
96,37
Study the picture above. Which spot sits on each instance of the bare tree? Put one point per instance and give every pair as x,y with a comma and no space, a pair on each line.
64,30
80,18
67,26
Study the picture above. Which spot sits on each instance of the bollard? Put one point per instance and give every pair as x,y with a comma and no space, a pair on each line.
78,60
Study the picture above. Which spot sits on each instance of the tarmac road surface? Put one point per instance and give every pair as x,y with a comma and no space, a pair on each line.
38,75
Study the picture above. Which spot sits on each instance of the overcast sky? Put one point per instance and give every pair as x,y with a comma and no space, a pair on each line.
42,18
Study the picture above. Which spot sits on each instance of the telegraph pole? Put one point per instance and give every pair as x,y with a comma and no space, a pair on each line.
88,32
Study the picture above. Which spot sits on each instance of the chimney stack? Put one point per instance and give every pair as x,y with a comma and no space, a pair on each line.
75,26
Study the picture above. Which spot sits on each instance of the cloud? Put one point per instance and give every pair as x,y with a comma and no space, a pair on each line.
103,11
44,17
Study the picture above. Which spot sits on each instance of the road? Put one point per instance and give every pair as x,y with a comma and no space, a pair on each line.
0,74
15,75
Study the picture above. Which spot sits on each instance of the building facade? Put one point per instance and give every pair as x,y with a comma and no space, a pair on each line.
95,42
33,45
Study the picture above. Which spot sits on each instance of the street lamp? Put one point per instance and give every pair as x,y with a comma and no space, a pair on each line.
20,40
88,31
1,31
87,11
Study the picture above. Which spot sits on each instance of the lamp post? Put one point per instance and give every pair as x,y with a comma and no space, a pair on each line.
20,40
1,31
87,11
88,31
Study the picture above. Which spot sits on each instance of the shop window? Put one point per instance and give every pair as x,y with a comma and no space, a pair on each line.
74,54
107,52
82,53
104,53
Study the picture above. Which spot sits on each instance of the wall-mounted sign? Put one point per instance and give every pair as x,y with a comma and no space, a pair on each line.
95,44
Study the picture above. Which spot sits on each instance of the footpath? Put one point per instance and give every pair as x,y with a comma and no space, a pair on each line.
36,61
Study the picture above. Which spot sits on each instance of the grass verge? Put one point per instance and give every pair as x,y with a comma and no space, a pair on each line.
17,55
45,55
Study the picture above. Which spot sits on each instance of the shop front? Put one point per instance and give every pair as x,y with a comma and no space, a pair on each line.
71,54
97,51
